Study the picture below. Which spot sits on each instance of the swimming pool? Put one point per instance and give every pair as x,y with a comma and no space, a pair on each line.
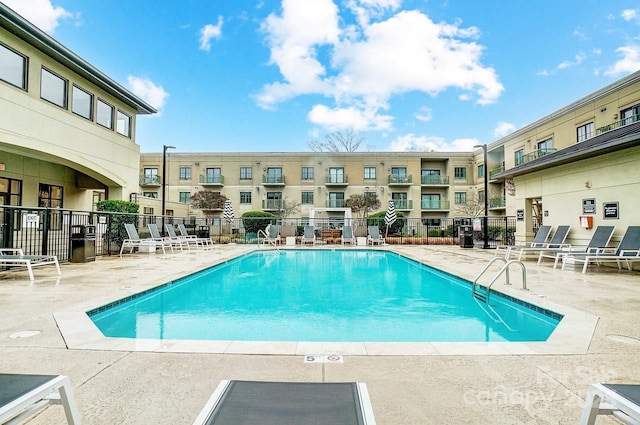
322,295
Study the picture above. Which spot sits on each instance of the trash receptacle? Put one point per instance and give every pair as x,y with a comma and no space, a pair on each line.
203,232
83,243
466,236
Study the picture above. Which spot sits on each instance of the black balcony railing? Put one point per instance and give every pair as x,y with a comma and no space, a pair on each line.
536,154
212,179
150,180
273,179
400,179
337,179
617,124
434,180
435,205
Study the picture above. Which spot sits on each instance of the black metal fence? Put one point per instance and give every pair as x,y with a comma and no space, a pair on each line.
51,230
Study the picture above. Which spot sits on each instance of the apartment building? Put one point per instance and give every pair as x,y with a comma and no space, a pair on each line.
67,131
577,166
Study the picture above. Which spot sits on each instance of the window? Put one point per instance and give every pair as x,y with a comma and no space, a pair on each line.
369,173
123,123
430,177
585,132
53,88
184,197
185,173
274,175
10,191
307,173
13,67
147,210
246,173
630,115
430,201
518,157
98,196
151,176
545,147
245,197
274,201
104,114
460,173
336,200
49,196
480,170
460,198
153,195
336,175
400,200
307,198
213,175
81,102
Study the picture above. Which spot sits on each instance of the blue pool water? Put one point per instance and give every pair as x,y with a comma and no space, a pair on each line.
322,295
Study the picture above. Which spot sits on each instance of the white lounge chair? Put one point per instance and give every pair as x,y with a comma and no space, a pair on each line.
539,241
555,243
273,233
277,403
621,401
134,241
25,395
627,251
374,236
309,235
14,257
347,235
156,236
204,242
601,237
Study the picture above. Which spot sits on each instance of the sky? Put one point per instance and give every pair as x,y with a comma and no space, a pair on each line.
274,75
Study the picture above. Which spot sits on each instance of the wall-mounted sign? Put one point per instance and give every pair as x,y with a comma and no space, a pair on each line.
477,225
589,206
520,215
611,210
546,213
30,220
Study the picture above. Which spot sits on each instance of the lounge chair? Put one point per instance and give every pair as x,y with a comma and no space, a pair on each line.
621,401
14,257
628,252
347,235
273,234
22,396
156,236
374,236
309,235
539,241
555,243
600,238
287,403
193,238
134,241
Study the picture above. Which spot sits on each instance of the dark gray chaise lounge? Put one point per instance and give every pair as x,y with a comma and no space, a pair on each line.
287,403
628,252
601,237
621,401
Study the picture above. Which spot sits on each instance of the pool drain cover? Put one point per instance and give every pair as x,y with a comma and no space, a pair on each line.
625,339
24,334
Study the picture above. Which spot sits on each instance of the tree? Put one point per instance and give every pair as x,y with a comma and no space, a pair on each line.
208,201
474,207
289,208
361,204
338,141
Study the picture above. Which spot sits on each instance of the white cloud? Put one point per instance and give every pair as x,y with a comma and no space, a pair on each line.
350,117
210,31
361,67
629,63
148,91
503,128
411,142
630,15
578,59
41,13
424,114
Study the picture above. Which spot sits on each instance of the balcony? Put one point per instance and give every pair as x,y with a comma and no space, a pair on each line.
435,205
150,180
434,180
535,155
335,203
215,180
272,204
497,203
403,204
494,172
617,124
273,180
337,180
400,180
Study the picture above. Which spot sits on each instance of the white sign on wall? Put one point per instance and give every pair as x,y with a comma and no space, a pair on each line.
30,220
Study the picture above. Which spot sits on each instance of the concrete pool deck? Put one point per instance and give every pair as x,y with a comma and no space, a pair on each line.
151,382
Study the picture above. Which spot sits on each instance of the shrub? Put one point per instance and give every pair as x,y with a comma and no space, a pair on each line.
396,227
117,232
257,220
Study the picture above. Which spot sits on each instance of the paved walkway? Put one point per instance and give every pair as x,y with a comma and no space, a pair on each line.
123,385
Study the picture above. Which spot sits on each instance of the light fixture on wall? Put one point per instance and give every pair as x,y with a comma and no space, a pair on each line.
587,184
615,116
382,163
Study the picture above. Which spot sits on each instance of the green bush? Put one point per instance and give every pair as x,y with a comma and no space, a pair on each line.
435,233
257,220
396,227
117,232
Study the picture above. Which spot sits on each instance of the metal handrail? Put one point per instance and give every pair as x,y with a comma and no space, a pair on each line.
271,241
505,270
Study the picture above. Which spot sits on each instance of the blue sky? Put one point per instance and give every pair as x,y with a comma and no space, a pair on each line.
272,75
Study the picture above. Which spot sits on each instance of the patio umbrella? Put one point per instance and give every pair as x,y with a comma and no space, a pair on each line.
390,216
228,211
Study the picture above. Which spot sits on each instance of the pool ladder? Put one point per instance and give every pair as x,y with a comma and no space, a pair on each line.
271,241
484,295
